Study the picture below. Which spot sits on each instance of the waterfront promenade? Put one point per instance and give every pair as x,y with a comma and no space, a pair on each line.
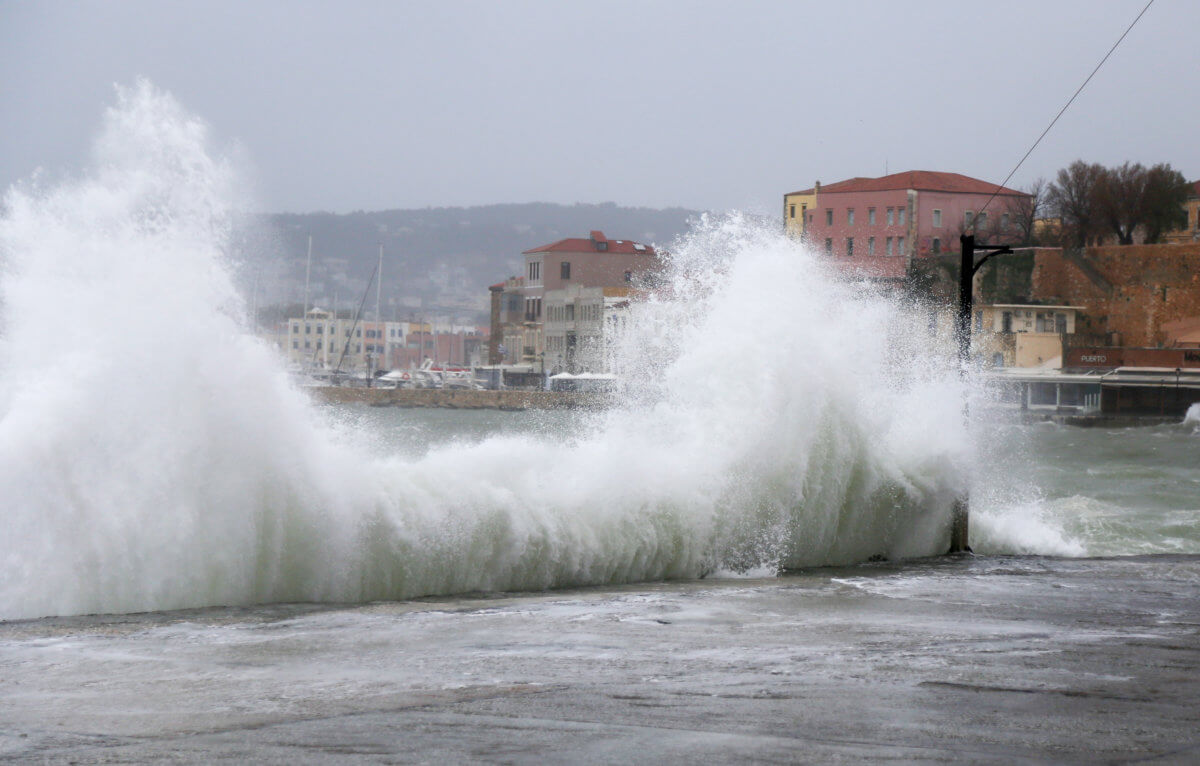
995,660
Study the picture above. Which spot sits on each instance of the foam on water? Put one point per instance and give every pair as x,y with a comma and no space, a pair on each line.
1192,418
152,456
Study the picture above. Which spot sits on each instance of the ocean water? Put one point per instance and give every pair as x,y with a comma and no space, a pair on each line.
153,456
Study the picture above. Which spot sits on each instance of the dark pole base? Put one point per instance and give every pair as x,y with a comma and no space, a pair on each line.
958,527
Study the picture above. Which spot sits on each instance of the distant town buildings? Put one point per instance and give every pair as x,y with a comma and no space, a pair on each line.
321,340
561,314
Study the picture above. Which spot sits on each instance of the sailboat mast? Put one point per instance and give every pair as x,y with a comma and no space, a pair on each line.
307,272
379,332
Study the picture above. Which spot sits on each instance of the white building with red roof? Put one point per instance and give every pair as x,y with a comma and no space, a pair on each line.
876,226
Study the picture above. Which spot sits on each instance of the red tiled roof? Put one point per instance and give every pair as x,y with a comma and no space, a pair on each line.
920,180
580,245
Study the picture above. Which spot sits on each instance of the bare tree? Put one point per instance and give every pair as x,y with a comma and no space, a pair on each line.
1073,198
1024,212
1092,200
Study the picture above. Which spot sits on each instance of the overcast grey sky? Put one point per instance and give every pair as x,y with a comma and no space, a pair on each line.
373,105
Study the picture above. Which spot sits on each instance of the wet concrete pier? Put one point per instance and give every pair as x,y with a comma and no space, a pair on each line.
976,660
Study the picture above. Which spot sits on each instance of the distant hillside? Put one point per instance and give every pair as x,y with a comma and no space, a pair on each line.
441,259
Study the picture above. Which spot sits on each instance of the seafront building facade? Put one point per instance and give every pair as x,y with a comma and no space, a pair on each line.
588,282
323,341
874,227
795,209
583,325
1022,335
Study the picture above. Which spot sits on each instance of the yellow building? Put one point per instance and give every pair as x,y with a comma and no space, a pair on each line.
796,208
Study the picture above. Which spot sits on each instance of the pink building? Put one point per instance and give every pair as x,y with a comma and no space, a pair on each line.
875,226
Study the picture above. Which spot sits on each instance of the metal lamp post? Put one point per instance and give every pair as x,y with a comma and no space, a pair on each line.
968,266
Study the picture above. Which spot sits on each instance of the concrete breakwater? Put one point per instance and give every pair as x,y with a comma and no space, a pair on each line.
462,399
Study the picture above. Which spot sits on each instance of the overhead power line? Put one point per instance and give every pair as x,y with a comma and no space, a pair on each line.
1067,105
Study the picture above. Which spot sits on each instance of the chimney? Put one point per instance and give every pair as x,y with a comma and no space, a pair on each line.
817,188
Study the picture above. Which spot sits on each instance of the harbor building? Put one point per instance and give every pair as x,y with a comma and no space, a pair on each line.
582,326
577,264
1022,335
874,227
321,340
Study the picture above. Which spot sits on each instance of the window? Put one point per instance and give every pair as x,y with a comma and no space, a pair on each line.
937,245
889,246
968,219
791,211
937,219
629,276
978,321
535,271
358,332
891,216
565,270
318,345
870,216
849,246
569,312
320,329
828,246
1006,322
829,216
899,245
307,344
871,246
849,216
1004,222
296,343
903,216
307,329
981,222
296,328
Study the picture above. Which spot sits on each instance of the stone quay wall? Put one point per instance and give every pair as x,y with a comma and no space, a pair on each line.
461,399
1131,291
